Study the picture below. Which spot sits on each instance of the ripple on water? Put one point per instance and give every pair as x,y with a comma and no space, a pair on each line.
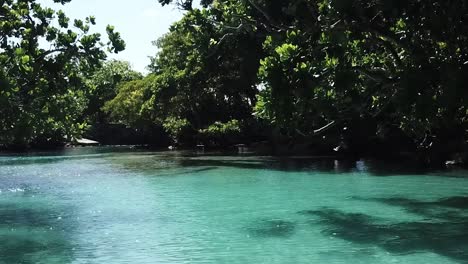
149,207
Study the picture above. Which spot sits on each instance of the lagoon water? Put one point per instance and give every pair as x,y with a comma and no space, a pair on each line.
108,206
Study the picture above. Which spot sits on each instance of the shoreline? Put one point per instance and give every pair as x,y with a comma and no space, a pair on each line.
405,157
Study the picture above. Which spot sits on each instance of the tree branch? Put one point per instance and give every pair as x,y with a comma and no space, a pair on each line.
325,128
392,51
319,131
45,54
268,17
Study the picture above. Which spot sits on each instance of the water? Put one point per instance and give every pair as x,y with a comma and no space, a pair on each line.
101,206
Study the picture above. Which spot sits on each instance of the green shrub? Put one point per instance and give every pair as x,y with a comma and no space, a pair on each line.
221,133
179,129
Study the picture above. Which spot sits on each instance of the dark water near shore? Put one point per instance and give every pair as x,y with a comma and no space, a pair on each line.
120,206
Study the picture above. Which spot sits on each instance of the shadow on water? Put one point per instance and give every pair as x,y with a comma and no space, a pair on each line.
192,171
272,228
450,208
138,160
272,163
156,166
445,232
48,157
160,163
29,160
319,164
457,202
33,235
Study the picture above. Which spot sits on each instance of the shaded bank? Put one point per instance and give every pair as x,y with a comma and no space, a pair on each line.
281,151
119,134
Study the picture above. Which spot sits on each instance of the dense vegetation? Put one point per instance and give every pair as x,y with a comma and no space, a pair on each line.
42,90
380,76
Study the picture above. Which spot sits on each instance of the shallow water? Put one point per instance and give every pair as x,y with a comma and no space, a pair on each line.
107,206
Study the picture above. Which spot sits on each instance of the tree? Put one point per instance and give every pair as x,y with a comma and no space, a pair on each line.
203,75
42,92
330,66
103,87
126,107
360,60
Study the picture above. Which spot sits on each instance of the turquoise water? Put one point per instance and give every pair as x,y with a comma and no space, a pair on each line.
101,206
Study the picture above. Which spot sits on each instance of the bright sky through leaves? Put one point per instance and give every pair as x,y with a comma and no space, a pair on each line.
139,22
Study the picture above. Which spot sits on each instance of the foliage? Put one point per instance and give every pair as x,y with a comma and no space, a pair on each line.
103,86
219,128
179,129
378,60
125,107
330,64
221,133
203,75
42,92
367,70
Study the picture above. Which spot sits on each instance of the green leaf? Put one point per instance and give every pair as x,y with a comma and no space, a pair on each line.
25,59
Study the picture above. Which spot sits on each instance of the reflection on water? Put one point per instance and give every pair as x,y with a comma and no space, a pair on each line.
104,206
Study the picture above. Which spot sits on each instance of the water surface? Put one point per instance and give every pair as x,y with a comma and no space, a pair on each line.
101,206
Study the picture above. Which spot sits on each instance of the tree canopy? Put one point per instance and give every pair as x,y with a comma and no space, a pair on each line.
198,79
102,86
325,66
44,59
357,73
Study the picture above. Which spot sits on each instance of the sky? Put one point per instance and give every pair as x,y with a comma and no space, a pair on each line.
139,22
